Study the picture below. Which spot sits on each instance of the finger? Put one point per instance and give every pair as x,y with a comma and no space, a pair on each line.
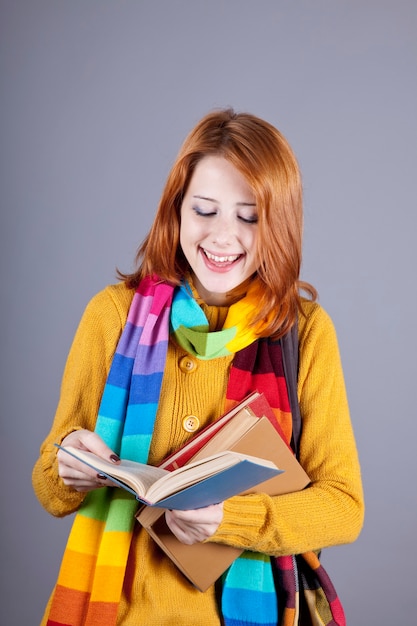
90,441
212,514
70,467
81,482
188,533
93,443
185,535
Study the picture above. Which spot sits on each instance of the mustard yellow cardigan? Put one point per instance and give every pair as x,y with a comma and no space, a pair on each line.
329,512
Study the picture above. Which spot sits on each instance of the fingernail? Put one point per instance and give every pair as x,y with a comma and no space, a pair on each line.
114,458
101,476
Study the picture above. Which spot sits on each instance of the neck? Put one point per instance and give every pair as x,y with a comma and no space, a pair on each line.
225,299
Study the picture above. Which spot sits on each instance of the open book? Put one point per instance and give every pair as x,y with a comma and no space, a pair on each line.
206,481
249,428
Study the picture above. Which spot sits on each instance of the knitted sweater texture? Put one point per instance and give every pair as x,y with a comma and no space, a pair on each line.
329,512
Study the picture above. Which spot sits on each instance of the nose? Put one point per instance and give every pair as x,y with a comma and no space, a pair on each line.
223,233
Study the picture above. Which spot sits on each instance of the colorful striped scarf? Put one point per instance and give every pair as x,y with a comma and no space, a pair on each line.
91,577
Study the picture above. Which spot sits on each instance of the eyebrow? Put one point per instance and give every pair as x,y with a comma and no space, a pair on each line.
214,200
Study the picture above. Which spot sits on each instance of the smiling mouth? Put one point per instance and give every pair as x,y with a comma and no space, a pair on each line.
221,260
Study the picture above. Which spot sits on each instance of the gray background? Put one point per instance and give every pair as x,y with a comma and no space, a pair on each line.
96,97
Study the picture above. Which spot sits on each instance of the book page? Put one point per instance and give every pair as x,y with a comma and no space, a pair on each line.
205,469
138,476
190,474
228,435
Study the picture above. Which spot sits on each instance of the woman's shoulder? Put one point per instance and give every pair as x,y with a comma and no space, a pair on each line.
119,294
313,319
111,302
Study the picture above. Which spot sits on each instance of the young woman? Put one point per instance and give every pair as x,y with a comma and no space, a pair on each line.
193,331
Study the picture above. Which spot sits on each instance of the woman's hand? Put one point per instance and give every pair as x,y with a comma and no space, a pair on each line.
76,474
195,525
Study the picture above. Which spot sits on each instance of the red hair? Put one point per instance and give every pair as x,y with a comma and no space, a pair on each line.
263,156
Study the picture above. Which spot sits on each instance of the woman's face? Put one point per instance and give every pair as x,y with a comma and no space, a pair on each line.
218,229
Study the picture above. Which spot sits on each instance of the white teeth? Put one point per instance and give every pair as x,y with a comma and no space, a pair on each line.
221,259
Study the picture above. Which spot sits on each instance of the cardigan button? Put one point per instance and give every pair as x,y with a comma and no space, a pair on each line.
190,423
187,364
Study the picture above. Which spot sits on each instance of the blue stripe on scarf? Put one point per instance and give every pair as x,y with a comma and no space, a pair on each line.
121,369
249,593
238,622
113,403
252,571
135,446
140,419
186,312
255,608
109,433
145,388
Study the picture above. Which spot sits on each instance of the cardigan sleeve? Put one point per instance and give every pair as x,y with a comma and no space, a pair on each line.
330,510
82,385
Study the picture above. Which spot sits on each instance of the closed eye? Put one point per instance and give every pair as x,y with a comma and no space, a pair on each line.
202,213
249,220
252,219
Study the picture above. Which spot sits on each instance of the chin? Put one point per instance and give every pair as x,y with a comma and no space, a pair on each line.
221,293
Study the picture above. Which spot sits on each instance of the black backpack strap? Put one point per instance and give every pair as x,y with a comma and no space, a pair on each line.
289,346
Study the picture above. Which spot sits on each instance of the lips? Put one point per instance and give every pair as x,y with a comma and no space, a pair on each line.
220,260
